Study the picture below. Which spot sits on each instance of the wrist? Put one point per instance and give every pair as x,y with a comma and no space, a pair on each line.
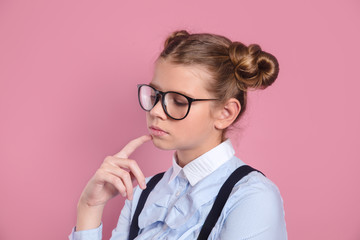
88,217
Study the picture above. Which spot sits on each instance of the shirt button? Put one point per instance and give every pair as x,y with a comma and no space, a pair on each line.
178,193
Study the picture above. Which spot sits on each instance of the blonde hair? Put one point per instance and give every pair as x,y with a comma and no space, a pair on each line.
233,66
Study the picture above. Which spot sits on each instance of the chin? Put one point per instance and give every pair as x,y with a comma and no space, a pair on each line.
162,144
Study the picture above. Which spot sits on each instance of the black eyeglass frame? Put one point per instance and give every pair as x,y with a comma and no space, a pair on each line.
162,94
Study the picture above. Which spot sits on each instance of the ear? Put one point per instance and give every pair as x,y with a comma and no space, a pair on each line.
227,114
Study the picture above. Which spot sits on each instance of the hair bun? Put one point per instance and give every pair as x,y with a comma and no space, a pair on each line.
254,68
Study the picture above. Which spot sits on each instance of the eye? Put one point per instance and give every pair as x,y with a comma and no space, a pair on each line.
152,98
181,102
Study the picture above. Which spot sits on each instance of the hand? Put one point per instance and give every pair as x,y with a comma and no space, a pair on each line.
114,176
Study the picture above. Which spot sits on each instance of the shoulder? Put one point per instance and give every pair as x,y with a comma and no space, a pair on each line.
255,204
252,185
256,189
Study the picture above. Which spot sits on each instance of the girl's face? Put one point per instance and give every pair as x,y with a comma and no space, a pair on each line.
195,134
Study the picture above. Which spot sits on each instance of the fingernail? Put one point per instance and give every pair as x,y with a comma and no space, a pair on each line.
124,194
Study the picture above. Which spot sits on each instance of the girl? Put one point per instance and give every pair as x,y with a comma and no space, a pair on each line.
199,89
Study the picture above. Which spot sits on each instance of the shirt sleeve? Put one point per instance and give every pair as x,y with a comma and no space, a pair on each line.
257,216
91,234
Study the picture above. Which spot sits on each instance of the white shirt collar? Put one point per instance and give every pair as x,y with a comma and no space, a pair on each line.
204,165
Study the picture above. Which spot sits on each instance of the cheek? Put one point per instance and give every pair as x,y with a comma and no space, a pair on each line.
197,122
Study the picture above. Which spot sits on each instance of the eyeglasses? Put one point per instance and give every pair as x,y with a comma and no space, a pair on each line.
175,105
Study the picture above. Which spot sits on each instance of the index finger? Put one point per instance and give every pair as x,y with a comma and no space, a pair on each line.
131,146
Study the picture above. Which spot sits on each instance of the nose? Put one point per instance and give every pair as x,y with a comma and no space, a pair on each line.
158,111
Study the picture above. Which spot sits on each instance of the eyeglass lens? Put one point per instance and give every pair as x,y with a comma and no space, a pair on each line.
175,105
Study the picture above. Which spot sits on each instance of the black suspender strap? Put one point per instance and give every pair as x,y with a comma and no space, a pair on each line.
221,199
134,227
215,211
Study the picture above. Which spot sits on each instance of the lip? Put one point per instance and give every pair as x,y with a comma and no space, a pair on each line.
157,132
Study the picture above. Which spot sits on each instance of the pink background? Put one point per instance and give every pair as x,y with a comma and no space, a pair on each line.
68,75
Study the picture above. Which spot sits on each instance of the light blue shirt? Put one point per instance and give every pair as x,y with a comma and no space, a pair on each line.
179,204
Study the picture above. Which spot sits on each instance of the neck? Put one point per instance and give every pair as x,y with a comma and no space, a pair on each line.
185,156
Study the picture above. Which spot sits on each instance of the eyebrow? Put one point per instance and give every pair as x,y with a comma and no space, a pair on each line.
155,86
159,88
